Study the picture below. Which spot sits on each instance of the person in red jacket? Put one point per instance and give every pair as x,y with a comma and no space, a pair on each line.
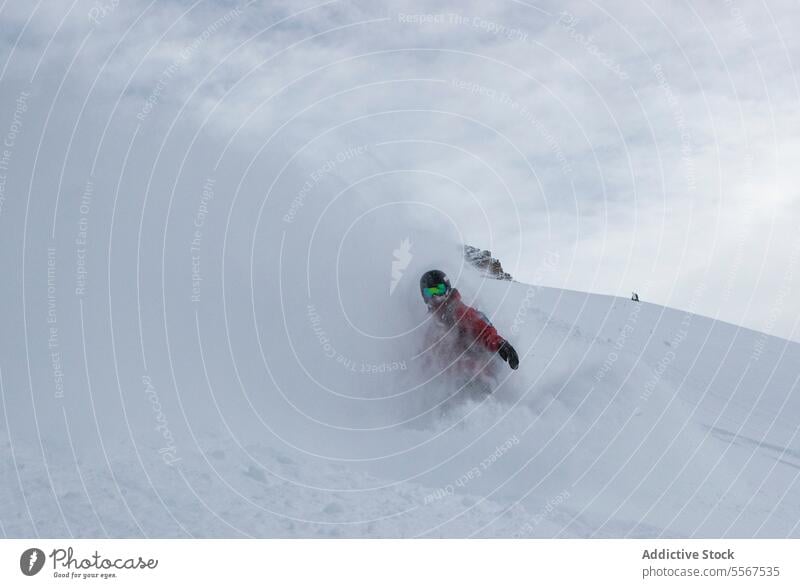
471,325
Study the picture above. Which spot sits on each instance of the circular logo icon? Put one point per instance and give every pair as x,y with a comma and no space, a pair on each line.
31,561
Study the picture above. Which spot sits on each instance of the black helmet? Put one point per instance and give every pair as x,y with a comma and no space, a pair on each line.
433,283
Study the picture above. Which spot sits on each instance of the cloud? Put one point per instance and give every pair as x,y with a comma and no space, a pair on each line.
652,147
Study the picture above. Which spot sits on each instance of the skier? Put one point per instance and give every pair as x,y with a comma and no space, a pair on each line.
472,328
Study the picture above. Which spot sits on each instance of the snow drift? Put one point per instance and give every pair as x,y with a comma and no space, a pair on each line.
291,402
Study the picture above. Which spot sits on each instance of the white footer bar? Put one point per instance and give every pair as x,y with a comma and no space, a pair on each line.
402,563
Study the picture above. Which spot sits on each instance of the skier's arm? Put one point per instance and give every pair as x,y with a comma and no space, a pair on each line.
479,328
482,330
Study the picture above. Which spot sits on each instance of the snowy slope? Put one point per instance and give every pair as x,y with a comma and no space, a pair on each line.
625,419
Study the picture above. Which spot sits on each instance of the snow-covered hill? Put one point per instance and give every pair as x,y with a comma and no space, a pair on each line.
625,419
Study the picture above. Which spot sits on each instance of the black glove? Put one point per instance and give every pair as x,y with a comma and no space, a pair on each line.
509,354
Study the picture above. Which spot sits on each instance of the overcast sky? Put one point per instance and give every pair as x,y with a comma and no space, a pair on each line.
653,146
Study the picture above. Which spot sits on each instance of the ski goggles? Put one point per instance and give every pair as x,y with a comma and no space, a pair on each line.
437,290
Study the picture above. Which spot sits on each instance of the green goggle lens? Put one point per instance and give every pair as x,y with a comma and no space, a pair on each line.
437,290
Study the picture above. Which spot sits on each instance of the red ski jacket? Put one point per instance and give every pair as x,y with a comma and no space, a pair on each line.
454,313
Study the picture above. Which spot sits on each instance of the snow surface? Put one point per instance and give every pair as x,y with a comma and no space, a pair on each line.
624,419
